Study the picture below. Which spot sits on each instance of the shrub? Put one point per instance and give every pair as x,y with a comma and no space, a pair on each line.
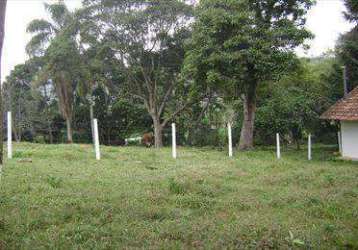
176,187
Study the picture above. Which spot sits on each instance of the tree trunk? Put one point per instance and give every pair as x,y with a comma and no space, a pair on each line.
109,136
16,134
50,132
158,133
247,130
2,33
1,127
92,117
69,130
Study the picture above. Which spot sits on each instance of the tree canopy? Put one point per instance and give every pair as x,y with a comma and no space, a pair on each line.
136,66
238,45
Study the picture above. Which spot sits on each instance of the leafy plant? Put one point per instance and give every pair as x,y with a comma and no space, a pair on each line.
295,241
176,187
54,181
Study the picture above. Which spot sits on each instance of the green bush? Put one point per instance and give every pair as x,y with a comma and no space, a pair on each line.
54,181
176,187
39,139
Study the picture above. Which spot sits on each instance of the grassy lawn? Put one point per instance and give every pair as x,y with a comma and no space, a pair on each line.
59,197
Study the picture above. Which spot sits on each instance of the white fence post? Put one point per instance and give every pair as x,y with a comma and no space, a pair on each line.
309,147
9,135
339,142
278,149
96,139
174,142
230,138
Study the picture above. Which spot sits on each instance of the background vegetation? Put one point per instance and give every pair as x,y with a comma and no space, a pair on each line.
136,66
139,65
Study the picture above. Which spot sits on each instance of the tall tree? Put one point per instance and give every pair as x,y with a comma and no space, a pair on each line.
102,70
2,34
18,98
55,39
147,37
347,46
352,10
239,44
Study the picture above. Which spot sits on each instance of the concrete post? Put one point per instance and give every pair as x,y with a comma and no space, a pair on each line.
340,142
9,135
278,149
174,142
230,138
96,139
309,147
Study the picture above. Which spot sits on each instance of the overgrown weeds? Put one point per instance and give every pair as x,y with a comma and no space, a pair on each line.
140,198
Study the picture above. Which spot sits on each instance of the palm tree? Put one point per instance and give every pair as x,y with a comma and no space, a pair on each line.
54,39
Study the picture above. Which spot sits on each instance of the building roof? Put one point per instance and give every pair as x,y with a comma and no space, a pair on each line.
346,109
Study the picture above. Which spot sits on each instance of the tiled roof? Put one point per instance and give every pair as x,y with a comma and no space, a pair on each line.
346,109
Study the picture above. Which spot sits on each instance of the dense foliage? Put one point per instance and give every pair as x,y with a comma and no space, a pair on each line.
242,44
136,66
347,48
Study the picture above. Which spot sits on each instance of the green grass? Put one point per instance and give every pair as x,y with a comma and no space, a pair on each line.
59,197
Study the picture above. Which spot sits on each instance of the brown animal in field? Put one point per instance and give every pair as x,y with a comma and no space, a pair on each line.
148,139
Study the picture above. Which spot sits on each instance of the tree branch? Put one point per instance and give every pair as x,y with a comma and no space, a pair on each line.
166,98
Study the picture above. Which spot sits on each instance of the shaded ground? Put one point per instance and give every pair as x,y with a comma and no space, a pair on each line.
60,197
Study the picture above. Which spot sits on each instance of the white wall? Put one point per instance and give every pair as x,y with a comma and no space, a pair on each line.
349,130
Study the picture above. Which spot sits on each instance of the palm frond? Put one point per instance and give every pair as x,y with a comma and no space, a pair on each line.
37,42
58,12
41,77
40,25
